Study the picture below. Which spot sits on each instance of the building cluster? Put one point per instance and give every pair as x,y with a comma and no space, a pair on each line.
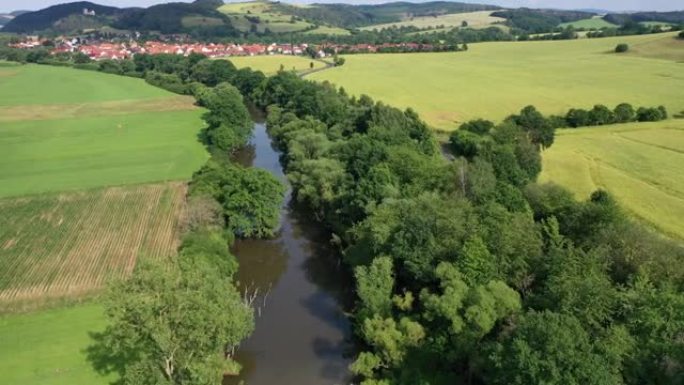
115,51
108,50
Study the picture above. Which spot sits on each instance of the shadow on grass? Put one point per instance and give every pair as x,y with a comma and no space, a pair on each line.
105,359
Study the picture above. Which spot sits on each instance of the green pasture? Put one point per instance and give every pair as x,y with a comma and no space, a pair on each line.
324,30
270,64
593,23
49,347
642,164
41,84
77,153
268,18
478,19
493,80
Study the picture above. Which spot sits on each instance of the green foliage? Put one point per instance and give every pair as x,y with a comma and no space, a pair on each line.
550,348
228,118
374,286
174,324
622,47
251,197
624,113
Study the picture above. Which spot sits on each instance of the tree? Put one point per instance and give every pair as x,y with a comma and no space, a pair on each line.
538,128
624,113
600,115
553,349
251,197
577,117
464,23
374,285
465,143
173,323
620,48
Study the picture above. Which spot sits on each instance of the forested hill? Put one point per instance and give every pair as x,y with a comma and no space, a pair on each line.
203,14
347,15
665,17
46,18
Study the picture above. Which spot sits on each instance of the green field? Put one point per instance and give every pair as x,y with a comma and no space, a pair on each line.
268,17
322,30
270,64
642,164
49,347
493,80
478,19
596,22
91,130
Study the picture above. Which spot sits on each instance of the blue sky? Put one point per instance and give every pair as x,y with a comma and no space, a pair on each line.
614,5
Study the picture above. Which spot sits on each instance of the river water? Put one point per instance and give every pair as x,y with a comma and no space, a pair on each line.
302,335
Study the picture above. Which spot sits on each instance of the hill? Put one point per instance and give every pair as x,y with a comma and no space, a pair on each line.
539,20
45,19
177,18
676,17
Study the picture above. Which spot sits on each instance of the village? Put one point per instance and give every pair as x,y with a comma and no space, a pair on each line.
114,50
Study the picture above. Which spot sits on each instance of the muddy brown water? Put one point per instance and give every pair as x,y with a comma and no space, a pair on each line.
302,334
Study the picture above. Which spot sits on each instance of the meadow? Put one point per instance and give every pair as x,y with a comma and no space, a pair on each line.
494,80
50,347
642,164
267,17
480,19
596,22
271,64
64,129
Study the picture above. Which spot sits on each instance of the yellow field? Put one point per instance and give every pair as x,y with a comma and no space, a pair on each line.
69,245
642,164
270,64
323,30
478,19
493,80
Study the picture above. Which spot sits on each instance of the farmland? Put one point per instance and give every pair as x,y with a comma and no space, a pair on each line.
493,80
261,15
478,19
595,22
641,164
68,245
32,355
64,129
269,65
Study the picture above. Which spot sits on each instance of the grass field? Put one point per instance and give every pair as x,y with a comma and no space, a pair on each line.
323,30
270,64
478,19
642,164
68,245
493,80
595,22
100,130
49,347
268,17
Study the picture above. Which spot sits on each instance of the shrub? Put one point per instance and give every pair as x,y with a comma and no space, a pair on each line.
464,143
478,126
620,48
650,114
681,35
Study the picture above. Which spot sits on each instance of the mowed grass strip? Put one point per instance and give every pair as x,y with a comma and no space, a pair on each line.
69,245
494,80
50,347
79,110
41,84
86,152
270,64
641,164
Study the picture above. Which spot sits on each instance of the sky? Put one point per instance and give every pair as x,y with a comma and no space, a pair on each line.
612,5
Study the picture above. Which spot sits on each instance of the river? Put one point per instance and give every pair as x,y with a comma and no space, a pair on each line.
302,334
